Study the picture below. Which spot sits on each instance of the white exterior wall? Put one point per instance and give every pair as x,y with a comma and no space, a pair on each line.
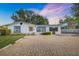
11,28
59,30
48,26
34,29
47,29
24,28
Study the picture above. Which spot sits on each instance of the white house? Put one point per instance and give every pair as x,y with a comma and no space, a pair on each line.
27,28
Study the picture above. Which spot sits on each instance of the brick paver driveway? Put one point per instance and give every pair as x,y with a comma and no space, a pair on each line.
47,45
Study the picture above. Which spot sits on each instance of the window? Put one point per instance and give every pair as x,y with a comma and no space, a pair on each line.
41,29
53,29
56,29
17,29
30,28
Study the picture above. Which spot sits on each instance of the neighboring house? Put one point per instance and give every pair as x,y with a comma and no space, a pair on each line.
65,29
27,28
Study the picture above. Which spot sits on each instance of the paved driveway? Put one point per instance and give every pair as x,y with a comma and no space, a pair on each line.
47,45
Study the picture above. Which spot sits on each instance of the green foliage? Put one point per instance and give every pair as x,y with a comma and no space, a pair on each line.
4,31
74,19
9,39
46,33
12,42
71,21
77,27
29,17
17,34
65,27
75,9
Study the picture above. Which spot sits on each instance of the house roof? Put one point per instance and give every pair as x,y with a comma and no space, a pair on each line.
17,22
31,24
50,25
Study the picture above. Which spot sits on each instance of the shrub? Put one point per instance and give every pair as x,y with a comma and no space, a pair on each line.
17,34
8,32
4,31
46,33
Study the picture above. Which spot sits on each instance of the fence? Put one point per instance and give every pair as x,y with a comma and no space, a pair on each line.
70,31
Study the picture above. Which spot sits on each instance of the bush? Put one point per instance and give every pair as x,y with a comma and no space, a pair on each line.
4,31
46,33
17,34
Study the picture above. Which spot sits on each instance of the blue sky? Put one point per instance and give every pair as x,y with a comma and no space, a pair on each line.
52,11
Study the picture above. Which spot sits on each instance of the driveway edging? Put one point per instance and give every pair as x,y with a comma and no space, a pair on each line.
5,47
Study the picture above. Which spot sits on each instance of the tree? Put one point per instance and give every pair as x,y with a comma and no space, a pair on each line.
19,15
61,21
41,20
71,21
29,17
75,9
74,18
75,13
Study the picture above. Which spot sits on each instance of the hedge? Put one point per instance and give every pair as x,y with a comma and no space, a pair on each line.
4,31
46,33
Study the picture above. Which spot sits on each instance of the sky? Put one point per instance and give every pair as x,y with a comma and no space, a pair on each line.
52,11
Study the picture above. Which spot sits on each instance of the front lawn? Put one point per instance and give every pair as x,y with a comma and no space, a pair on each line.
9,39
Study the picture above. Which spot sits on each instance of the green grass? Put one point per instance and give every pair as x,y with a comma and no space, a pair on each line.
9,39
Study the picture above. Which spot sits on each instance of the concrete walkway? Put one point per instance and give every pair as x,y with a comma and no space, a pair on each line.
47,45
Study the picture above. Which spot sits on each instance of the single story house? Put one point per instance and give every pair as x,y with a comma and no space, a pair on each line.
27,28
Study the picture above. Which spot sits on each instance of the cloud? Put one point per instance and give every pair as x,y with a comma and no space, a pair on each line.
48,9
55,20
54,8
55,11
